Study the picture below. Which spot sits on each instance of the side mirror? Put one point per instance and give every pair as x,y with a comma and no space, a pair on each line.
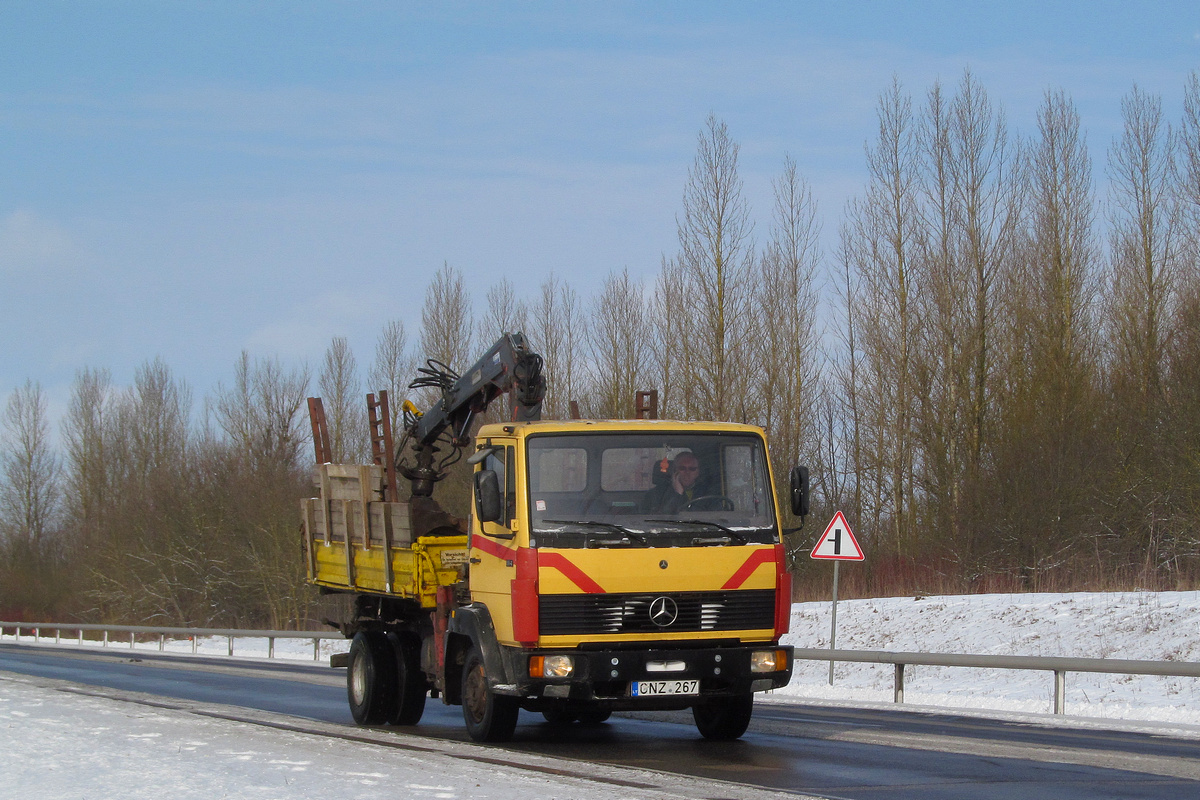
800,490
488,504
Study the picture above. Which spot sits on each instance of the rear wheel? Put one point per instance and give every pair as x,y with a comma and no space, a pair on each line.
489,717
724,718
411,687
371,678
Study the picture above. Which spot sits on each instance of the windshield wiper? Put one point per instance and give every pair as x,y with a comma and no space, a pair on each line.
731,536
626,534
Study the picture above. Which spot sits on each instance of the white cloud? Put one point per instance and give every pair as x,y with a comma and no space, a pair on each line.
30,244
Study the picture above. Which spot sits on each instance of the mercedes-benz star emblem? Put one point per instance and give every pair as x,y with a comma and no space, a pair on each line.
663,611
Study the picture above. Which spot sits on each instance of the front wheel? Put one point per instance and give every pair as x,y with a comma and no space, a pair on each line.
371,678
724,718
490,717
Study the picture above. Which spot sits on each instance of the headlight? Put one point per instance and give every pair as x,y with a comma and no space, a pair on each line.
551,666
768,660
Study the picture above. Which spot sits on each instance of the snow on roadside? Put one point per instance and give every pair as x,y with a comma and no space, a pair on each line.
67,745
1157,626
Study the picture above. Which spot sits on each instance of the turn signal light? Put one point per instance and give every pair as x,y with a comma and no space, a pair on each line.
768,660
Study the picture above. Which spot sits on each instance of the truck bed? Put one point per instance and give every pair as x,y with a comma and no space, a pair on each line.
356,542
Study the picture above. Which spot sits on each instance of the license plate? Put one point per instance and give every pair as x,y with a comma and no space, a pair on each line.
652,688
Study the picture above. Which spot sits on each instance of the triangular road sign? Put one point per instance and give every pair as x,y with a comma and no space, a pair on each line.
838,542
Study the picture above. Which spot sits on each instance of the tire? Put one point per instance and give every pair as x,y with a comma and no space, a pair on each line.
371,678
411,687
594,716
489,717
724,718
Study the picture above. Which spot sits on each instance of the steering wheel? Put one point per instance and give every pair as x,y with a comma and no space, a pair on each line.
715,502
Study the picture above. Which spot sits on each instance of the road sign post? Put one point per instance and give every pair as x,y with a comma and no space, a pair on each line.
837,544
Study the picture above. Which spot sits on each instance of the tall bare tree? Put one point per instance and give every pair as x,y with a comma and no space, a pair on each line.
558,332
394,368
262,412
880,242
716,258
1044,460
673,342
85,431
446,320
345,405
620,345
503,312
786,341
30,492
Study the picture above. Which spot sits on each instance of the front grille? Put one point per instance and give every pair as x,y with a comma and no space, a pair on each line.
565,614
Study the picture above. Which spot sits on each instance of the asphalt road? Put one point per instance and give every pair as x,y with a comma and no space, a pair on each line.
823,751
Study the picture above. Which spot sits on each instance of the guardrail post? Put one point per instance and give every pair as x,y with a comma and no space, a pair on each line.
131,635
105,637
316,649
270,647
1060,689
193,644
162,642
37,635
230,637
57,635
898,693
17,634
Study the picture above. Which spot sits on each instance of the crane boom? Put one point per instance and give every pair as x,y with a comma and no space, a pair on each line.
508,366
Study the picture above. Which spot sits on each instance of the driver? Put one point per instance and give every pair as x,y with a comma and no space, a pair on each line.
670,497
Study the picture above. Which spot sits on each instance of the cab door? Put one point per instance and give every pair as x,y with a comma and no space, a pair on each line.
494,547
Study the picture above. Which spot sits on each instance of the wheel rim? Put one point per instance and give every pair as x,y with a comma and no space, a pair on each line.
475,693
358,680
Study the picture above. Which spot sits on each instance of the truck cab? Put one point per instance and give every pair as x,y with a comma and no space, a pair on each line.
623,565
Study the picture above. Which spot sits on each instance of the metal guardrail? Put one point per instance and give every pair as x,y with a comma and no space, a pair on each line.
1060,666
37,630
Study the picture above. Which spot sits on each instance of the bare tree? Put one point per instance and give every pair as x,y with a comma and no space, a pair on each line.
1145,248
344,400
673,341
1043,465
503,312
787,384
152,421
880,243
620,344
394,369
715,258
446,320
85,431
30,492
558,333
262,412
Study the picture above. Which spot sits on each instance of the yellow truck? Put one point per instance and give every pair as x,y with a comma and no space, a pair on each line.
606,565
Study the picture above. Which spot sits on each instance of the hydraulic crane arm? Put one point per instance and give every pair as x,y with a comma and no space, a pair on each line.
508,366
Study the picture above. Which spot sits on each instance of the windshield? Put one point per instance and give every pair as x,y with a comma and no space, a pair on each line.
649,490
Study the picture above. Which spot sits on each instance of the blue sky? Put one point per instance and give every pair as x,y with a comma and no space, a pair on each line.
190,179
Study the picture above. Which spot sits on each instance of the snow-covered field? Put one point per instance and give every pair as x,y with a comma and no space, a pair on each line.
64,742
1136,625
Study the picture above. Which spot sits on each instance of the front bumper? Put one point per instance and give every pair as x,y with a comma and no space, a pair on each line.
604,676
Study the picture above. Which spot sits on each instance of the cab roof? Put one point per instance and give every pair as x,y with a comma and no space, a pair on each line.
523,429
